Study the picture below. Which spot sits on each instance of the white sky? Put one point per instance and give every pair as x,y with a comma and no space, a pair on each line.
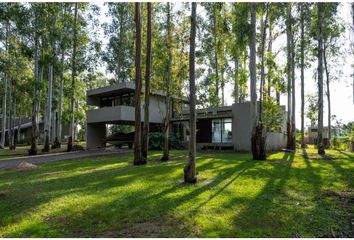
341,90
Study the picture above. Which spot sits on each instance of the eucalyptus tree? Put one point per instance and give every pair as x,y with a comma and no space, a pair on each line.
190,173
290,79
238,42
138,159
304,10
145,144
166,127
73,76
215,33
120,51
332,30
320,144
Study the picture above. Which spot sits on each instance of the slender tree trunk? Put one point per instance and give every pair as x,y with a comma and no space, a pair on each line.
302,59
236,79
222,86
47,130
138,160
35,132
166,129
270,49
293,123
320,145
59,125
4,115
190,173
19,128
10,132
145,145
252,67
13,124
290,144
328,93
216,55
73,75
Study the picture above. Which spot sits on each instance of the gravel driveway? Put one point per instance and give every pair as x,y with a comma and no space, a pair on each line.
13,162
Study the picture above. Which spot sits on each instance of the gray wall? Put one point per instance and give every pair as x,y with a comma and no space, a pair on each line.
127,113
96,135
241,126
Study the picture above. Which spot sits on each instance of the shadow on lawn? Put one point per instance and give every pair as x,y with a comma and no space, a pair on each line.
156,202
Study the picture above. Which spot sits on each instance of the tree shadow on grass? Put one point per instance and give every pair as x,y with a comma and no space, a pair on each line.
256,216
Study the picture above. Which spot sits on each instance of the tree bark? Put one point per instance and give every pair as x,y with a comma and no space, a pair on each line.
270,49
293,123
19,128
190,174
166,129
59,125
47,130
290,143
145,145
10,132
35,133
302,64
216,55
236,79
320,145
138,160
4,115
73,75
253,69
328,93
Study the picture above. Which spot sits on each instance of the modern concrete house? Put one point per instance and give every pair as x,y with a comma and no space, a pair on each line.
222,127
313,134
26,130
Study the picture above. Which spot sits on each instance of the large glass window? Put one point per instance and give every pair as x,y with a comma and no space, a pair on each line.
222,130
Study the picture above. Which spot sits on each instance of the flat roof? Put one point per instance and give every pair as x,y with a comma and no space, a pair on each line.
124,87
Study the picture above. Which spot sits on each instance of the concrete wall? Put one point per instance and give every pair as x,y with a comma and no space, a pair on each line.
241,126
242,129
96,135
127,113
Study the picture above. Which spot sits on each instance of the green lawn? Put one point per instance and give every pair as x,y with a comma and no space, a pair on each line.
22,151
286,196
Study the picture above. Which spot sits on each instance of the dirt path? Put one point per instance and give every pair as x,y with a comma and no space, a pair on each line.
13,162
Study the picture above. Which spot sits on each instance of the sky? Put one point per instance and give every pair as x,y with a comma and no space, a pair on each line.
342,103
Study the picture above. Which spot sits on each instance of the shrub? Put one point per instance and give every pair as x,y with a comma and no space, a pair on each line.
341,143
156,141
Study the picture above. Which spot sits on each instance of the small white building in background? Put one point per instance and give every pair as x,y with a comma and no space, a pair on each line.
313,134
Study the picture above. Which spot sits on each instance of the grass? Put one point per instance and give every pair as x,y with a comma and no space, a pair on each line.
22,151
288,195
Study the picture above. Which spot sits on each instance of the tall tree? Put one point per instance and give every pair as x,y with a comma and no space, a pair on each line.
120,51
145,144
190,174
302,67
73,76
290,78
138,160
166,127
320,144
4,115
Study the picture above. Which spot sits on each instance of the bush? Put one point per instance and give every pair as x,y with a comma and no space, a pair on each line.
156,141
341,143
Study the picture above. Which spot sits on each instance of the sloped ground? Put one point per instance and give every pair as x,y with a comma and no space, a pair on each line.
287,196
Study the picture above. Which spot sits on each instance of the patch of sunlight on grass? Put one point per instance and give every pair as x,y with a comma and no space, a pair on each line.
285,196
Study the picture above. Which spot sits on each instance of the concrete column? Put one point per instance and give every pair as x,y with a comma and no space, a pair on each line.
96,135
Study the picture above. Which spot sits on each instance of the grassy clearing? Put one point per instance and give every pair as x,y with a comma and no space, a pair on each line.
286,196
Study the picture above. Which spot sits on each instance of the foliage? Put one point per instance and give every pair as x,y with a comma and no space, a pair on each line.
312,109
156,141
272,114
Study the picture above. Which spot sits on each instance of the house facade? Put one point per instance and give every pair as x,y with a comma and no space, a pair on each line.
221,127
